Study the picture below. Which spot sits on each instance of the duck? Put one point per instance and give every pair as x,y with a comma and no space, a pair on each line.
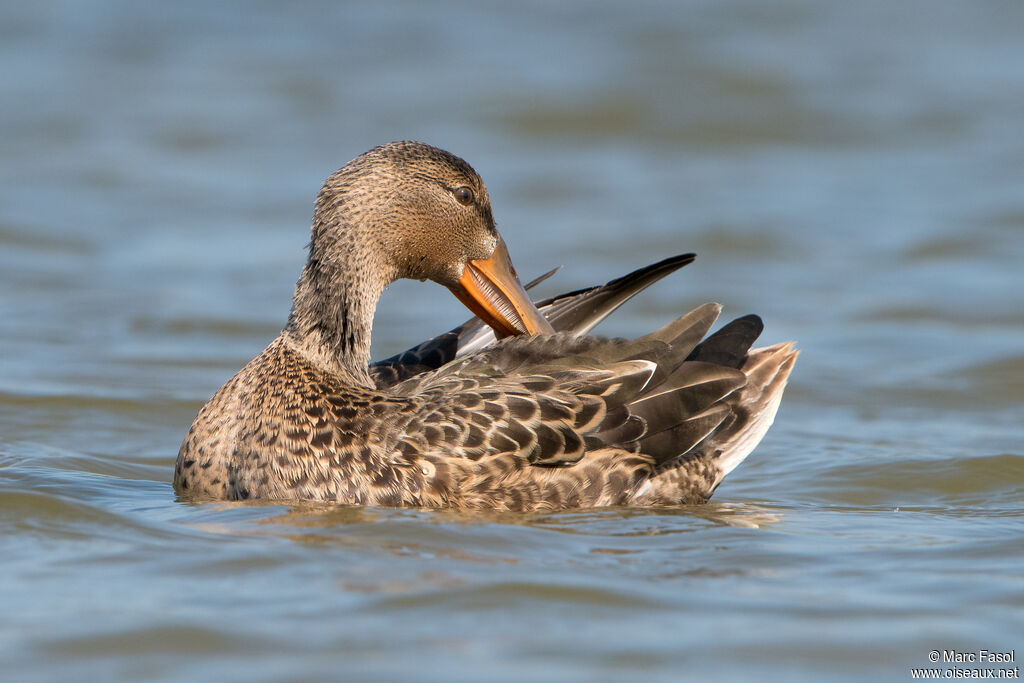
518,409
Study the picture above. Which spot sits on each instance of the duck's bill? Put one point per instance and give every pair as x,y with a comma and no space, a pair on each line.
490,288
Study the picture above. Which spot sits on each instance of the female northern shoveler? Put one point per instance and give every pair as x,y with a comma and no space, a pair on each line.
551,419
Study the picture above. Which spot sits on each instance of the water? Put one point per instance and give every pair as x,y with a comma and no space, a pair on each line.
851,171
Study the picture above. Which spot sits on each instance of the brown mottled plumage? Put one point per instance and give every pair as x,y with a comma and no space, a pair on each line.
541,421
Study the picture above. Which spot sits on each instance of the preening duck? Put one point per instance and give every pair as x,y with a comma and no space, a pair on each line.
517,409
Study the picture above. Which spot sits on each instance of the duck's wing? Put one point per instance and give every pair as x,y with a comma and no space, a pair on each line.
548,422
575,313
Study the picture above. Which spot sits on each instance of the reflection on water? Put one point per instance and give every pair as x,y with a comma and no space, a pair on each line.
849,171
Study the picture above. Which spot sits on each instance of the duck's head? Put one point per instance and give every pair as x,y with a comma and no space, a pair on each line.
409,210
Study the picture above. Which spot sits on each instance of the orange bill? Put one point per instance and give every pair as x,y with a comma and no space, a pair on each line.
490,288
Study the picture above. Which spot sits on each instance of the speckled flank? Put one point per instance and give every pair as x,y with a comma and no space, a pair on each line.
530,422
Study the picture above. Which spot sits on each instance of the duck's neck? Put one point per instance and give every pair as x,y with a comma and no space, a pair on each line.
332,315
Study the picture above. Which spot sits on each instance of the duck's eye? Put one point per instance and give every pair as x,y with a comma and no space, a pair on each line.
464,195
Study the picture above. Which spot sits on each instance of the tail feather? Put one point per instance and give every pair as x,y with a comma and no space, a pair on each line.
737,424
767,372
729,345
